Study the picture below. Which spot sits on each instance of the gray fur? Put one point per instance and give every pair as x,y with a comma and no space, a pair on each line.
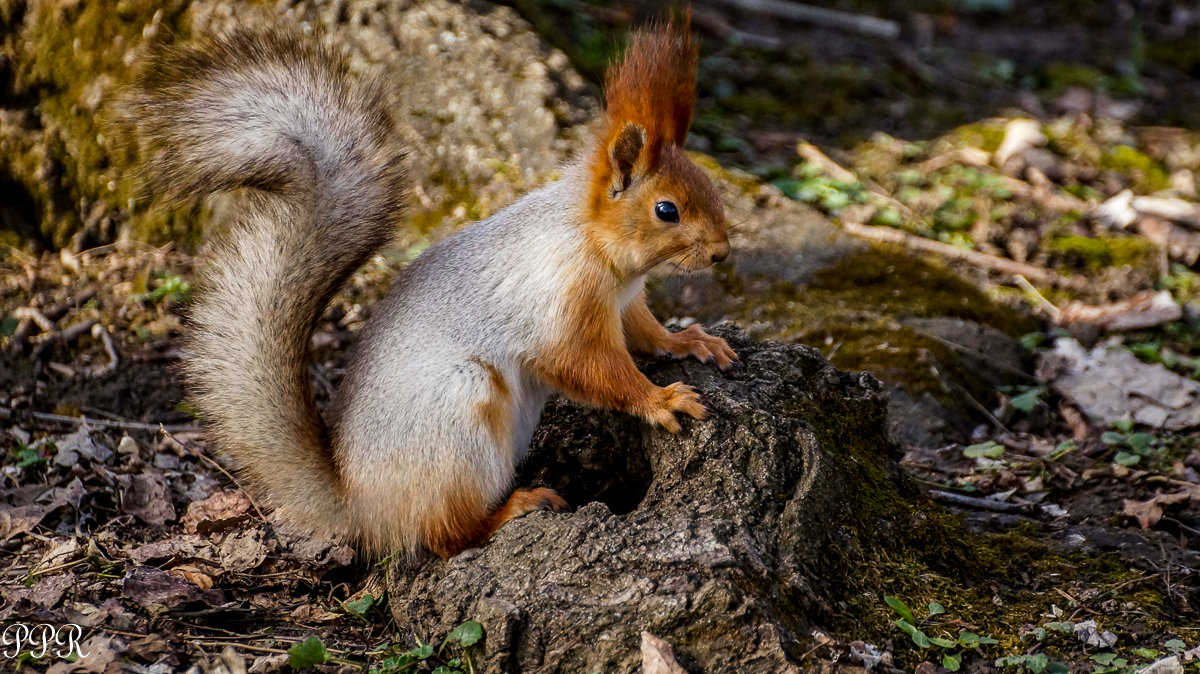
273,112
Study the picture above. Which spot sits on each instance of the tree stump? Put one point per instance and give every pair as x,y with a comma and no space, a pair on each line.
731,540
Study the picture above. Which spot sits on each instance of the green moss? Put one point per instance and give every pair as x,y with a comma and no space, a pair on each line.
891,282
985,135
1096,254
998,585
71,58
1148,175
745,182
853,312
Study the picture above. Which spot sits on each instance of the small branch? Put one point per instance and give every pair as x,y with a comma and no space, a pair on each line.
990,262
1038,298
109,348
976,503
264,649
103,423
818,16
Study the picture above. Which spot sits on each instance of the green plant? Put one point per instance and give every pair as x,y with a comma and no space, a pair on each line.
425,658
951,650
1131,447
307,653
989,450
171,287
361,607
1037,663
28,457
1028,398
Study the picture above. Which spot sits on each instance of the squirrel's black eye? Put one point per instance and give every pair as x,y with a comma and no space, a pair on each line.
667,211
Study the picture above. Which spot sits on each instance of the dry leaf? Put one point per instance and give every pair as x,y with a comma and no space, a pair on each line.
1111,384
100,652
45,594
192,575
79,445
242,550
218,512
148,586
1148,513
145,496
22,508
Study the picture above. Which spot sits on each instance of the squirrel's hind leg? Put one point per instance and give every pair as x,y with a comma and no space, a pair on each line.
460,531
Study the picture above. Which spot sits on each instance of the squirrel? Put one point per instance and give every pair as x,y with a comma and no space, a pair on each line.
449,377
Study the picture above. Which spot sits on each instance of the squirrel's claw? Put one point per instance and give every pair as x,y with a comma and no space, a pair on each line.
677,397
694,341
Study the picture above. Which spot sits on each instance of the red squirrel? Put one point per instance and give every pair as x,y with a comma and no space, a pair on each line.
449,377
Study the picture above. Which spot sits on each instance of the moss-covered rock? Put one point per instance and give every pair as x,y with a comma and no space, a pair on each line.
60,65
796,277
512,115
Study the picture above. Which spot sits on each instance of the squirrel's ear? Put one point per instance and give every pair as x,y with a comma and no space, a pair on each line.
623,153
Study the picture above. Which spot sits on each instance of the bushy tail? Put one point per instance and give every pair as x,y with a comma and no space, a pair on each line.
277,113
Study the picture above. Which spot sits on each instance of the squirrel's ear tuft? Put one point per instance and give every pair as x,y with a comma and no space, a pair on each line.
623,155
654,85
650,94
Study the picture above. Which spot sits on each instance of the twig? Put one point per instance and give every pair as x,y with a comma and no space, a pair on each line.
978,503
203,457
990,262
818,16
47,340
977,354
101,422
34,314
109,349
120,425
715,23
264,649
1038,298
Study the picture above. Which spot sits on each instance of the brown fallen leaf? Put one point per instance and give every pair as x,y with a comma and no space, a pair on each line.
658,657
148,586
148,648
146,496
192,575
79,445
243,550
173,548
45,594
99,652
1148,513
218,512
88,615
23,508
308,613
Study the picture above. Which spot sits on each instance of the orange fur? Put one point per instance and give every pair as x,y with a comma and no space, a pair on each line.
496,413
465,523
646,337
594,365
654,87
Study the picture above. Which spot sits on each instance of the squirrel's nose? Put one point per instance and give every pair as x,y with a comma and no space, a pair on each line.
720,251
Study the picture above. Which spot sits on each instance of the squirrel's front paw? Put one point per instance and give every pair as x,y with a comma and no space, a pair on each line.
677,397
694,341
